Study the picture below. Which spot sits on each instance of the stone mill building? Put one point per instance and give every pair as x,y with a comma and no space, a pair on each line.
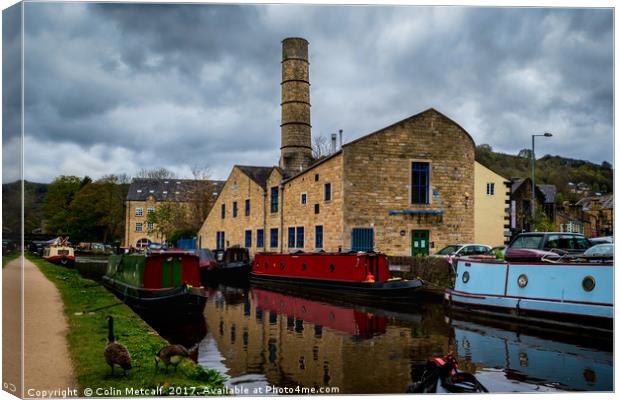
406,189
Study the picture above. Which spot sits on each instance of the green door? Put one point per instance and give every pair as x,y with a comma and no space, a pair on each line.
419,243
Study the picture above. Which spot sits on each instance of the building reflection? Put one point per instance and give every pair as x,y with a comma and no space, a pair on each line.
288,341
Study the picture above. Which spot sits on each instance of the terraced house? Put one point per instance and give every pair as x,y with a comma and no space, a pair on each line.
406,189
143,198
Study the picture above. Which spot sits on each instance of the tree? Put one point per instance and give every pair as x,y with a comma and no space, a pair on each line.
525,153
156,173
606,165
56,204
168,218
485,147
320,147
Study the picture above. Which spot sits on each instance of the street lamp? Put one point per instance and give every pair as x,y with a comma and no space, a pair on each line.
533,206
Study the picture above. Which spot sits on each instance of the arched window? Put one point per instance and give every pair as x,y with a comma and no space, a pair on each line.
144,242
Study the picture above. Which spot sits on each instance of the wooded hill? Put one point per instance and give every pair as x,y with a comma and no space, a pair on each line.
555,170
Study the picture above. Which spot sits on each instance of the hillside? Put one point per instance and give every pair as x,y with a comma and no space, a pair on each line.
555,170
11,205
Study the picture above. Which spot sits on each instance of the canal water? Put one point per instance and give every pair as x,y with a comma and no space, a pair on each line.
260,338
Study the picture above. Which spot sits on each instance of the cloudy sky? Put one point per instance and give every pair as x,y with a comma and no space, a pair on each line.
111,88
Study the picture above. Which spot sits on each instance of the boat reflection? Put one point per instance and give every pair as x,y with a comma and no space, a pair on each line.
533,359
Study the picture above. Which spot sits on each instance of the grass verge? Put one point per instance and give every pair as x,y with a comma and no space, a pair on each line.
9,257
86,305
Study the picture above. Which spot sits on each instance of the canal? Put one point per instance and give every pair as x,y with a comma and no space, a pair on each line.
259,338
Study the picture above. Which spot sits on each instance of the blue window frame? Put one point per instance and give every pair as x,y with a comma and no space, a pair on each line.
260,238
328,192
291,237
247,207
223,211
420,180
220,240
273,237
274,199
318,236
300,237
235,210
248,239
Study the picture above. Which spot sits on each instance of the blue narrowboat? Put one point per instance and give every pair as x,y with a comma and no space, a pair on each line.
541,288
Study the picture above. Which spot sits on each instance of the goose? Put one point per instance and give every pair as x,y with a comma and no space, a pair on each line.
171,354
116,353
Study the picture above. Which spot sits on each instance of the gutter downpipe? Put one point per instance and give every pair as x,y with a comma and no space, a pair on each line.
282,219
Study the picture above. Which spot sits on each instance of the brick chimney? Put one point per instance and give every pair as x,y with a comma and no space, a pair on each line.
295,149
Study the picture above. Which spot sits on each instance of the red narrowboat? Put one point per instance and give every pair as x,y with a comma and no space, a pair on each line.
157,282
352,275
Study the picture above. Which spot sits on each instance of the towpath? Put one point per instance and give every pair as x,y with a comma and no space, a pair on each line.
47,362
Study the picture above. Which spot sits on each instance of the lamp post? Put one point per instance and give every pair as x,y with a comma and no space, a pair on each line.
533,206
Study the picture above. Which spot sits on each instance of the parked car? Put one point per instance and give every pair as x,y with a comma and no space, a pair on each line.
557,242
461,250
604,250
602,239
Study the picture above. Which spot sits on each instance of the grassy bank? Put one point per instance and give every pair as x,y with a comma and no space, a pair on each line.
86,305
9,257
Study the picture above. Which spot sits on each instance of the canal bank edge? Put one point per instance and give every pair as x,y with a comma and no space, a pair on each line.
86,305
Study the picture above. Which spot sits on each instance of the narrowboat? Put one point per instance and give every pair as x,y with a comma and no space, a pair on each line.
166,282
230,266
537,286
59,252
350,275
356,323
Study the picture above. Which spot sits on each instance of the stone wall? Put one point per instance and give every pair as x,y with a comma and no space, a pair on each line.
377,179
296,214
131,236
238,187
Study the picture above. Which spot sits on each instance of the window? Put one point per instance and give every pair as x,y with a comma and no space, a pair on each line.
223,211
291,237
260,238
316,177
165,192
362,239
138,211
491,189
527,242
328,192
273,237
318,236
248,239
138,226
150,211
420,177
300,237
220,240
149,226
247,207
304,198
274,199
139,191
235,209
316,208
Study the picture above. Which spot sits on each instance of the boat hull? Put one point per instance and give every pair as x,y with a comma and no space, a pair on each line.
231,276
64,260
173,301
556,293
397,291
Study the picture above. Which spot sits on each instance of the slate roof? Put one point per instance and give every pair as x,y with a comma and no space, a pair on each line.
166,189
548,191
605,202
257,174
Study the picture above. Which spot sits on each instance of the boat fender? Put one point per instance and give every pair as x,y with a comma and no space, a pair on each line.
370,278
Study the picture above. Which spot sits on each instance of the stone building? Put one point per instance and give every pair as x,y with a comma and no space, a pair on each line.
593,216
406,189
521,203
143,198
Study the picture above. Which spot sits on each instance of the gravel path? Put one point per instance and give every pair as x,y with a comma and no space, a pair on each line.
47,362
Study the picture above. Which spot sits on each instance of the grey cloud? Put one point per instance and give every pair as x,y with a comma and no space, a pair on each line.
176,85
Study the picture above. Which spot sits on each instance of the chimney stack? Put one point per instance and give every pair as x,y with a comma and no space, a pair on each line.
296,147
333,150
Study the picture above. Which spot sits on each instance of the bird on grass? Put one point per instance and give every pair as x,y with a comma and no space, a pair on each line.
171,354
116,353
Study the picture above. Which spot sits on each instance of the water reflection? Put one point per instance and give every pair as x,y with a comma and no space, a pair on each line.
259,338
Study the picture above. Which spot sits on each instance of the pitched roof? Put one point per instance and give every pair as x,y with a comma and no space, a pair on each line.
548,191
167,189
605,202
257,174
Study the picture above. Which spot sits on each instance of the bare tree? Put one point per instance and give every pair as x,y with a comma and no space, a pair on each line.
320,146
156,173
